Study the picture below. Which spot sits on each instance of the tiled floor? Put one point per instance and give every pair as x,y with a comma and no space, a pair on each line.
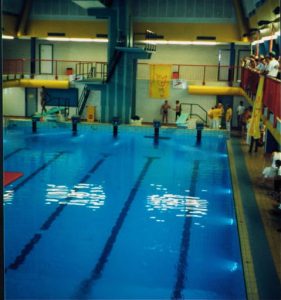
256,162
252,188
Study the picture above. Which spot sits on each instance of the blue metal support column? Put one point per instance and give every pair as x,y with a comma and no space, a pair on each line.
32,56
231,70
120,91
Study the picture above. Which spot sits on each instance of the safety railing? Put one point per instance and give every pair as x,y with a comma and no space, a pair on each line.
271,91
194,109
13,68
54,69
271,98
199,74
60,69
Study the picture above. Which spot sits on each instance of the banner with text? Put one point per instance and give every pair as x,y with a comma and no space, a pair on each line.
160,76
254,129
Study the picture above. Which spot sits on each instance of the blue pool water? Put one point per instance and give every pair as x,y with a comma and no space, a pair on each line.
97,217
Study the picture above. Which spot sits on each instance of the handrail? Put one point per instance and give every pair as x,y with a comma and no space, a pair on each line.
195,114
82,100
189,72
22,67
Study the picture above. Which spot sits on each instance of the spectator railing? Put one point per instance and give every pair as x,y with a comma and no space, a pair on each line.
271,98
271,91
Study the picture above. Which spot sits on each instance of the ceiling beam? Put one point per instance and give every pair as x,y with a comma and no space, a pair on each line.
23,17
242,21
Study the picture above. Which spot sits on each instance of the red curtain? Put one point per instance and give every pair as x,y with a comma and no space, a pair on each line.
271,91
271,97
249,80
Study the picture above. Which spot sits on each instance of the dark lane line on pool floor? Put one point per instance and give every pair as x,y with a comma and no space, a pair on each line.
44,166
86,285
46,225
13,153
182,261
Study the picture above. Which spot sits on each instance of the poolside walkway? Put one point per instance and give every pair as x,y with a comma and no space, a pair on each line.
262,228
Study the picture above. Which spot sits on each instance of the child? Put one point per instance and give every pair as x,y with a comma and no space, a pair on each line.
178,109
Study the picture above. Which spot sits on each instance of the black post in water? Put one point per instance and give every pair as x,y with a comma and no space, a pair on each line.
156,125
115,123
34,124
199,128
75,121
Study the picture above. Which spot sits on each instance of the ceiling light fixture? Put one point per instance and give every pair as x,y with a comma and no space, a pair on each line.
85,40
7,37
198,43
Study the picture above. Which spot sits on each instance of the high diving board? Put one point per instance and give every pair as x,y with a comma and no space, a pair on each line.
214,90
36,83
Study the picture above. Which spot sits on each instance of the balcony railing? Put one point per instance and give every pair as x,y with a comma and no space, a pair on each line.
271,92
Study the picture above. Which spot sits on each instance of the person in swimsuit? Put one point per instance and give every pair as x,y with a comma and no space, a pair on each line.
164,111
43,96
178,109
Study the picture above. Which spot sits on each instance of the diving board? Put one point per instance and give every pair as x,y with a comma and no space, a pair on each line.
214,90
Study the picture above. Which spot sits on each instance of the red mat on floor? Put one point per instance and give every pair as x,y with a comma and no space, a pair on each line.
9,177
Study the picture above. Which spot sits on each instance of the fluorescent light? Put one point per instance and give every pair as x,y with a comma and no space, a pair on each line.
7,37
65,39
163,42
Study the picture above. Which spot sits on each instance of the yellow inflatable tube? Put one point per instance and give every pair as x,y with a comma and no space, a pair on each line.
36,83
215,90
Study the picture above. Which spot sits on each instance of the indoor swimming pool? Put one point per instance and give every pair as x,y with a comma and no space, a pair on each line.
98,217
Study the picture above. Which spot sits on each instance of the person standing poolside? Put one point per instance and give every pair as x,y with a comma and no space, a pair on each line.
228,117
44,95
210,115
220,106
164,111
178,109
216,117
240,111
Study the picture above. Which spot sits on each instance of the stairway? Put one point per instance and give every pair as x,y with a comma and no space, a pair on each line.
83,100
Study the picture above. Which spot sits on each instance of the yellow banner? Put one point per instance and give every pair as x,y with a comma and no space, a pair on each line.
160,76
254,129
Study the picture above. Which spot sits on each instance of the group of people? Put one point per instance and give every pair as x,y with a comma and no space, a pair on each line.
244,117
266,65
216,115
165,107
